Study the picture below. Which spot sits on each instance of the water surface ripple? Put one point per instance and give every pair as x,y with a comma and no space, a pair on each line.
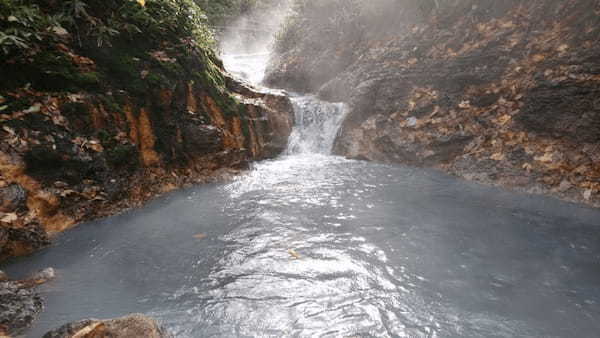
313,245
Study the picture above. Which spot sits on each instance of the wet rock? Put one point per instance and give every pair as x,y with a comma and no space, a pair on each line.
201,139
22,241
19,306
3,276
43,276
564,186
135,325
12,198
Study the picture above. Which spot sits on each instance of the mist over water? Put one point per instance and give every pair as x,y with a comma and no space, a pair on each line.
246,44
314,245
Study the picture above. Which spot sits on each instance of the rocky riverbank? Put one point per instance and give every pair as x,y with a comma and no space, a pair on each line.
500,92
90,128
19,302
135,325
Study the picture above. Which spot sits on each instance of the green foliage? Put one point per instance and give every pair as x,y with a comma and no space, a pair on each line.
24,25
27,26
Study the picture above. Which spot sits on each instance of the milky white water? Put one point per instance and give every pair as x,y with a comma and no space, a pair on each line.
313,245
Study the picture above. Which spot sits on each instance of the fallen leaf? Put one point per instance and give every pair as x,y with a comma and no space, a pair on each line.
538,58
546,158
8,130
75,97
9,218
465,104
162,56
142,2
60,31
294,254
95,146
498,157
34,109
502,120
67,193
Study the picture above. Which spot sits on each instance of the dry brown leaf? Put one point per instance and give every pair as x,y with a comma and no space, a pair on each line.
9,218
504,119
538,58
546,158
294,253
95,146
498,157
67,192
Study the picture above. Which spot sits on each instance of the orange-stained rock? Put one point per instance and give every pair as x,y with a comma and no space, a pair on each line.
134,149
147,140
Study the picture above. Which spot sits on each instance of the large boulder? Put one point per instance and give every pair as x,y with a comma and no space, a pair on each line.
135,325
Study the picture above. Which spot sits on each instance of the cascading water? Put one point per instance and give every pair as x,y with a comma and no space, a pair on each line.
317,124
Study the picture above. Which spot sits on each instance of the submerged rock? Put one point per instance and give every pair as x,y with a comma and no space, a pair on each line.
43,276
19,306
135,325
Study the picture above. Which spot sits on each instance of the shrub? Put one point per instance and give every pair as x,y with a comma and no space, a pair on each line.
26,26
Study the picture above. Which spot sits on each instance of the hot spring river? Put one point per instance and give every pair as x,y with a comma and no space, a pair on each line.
313,245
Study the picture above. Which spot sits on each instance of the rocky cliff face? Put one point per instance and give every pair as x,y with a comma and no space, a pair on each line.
502,92
88,131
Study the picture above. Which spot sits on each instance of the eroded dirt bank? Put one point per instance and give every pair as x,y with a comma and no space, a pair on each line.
501,92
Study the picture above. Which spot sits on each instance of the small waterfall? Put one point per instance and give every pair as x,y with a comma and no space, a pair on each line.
317,124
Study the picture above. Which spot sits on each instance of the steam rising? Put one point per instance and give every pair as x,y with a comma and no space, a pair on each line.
247,43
